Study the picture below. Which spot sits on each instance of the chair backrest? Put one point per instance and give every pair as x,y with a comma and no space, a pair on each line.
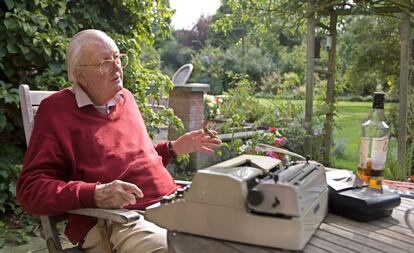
181,76
29,103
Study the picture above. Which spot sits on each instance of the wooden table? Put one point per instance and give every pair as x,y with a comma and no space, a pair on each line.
336,234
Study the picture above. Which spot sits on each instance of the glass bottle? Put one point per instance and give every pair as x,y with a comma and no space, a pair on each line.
374,144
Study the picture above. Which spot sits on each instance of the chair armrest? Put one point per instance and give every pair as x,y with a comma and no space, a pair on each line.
116,215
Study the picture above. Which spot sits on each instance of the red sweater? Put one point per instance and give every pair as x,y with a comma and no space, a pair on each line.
72,149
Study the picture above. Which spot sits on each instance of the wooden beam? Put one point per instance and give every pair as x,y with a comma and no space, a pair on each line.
330,91
322,25
403,103
374,11
310,62
322,71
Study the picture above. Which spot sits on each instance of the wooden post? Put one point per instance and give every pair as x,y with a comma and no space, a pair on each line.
310,61
403,104
330,91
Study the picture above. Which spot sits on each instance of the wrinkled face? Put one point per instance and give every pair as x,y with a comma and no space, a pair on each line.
99,85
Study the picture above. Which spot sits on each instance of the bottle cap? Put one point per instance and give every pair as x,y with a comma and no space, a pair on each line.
379,98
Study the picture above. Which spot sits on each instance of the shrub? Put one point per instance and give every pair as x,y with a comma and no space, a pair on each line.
209,68
392,169
271,137
296,135
241,101
217,67
290,83
174,55
288,116
393,120
339,148
253,62
212,107
10,166
32,51
271,83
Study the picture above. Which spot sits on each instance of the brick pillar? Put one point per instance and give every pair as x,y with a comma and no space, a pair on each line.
187,101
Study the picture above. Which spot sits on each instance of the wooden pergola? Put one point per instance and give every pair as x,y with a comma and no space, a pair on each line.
333,10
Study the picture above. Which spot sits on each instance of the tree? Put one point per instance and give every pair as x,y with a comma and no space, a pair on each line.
256,24
32,46
32,51
368,55
369,50
200,31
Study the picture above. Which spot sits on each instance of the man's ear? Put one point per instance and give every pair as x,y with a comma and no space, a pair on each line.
80,77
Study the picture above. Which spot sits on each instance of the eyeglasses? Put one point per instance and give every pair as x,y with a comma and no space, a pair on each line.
107,66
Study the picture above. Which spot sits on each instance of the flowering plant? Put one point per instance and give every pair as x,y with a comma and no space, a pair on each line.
270,137
211,106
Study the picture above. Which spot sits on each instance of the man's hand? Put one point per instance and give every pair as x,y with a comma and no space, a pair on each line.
198,140
116,194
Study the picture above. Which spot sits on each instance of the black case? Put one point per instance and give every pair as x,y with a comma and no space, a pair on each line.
362,204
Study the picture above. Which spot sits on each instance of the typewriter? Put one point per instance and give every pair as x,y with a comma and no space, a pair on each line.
249,199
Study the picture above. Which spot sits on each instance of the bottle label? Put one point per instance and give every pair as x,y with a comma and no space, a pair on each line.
363,152
379,152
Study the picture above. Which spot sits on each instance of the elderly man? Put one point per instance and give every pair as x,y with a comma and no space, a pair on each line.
90,148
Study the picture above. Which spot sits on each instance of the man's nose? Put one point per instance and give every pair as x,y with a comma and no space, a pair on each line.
116,66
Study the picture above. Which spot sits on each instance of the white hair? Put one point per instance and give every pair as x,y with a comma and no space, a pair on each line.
75,47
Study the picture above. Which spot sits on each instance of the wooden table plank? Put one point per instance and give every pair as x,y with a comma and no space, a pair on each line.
355,238
312,248
365,226
406,205
408,200
402,207
182,242
364,229
339,242
239,247
329,245
396,218
392,227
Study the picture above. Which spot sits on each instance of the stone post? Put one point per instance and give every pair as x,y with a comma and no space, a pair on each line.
187,101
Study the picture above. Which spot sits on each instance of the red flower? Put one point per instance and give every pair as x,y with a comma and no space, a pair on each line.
273,129
271,154
281,139
275,155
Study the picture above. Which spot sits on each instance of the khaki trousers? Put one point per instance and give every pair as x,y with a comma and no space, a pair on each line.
140,236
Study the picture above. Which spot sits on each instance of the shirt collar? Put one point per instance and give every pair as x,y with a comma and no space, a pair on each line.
82,98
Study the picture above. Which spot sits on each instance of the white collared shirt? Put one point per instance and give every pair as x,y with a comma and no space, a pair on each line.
82,99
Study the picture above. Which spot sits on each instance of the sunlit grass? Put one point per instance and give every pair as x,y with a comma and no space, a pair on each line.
350,115
348,120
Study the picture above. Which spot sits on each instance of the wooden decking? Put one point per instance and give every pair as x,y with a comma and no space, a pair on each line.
336,235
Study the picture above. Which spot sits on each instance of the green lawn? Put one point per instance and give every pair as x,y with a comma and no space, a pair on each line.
347,130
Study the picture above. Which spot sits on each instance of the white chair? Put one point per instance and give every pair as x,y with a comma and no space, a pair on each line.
181,76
